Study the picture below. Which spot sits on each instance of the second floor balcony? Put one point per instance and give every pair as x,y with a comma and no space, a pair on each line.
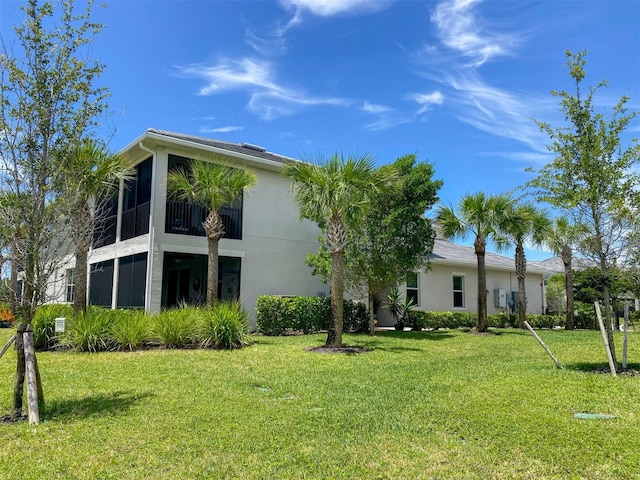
186,219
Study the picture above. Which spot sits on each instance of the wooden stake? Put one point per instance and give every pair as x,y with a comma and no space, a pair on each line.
605,339
546,349
7,345
32,382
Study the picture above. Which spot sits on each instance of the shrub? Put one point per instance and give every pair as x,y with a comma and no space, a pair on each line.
225,325
452,320
176,328
89,332
356,318
6,317
44,321
130,330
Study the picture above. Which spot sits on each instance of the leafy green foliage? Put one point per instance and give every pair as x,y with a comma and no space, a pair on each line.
453,320
280,315
176,328
225,325
43,324
130,329
89,332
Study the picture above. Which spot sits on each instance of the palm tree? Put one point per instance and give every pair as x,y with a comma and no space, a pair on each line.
477,215
560,239
210,186
523,223
89,176
335,193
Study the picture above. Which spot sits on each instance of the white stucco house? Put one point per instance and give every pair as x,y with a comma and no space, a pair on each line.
451,284
151,252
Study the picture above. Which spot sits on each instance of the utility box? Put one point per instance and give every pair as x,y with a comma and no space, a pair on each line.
499,297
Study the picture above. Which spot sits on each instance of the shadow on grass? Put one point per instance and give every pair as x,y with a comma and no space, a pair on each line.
116,403
599,367
411,335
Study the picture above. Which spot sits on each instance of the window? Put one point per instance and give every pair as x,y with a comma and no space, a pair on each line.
412,287
70,284
186,219
458,291
137,202
132,281
101,283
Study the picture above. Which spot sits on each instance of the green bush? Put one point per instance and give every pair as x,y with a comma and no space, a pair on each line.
89,332
225,325
278,315
178,327
130,330
453,320
44,321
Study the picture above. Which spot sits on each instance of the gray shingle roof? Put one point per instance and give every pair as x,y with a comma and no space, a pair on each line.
242,148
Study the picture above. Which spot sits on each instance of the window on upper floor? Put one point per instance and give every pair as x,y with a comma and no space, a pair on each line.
412,287
186,219
137,202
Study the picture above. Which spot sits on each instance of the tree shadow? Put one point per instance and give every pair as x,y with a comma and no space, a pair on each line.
432,335
602,367
98,404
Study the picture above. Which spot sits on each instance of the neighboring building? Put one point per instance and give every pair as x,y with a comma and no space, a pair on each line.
451,284
151,252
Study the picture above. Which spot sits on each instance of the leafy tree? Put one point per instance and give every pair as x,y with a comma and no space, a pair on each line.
593,177
48,102
561,238
210,186
524,222
556,294
394,237
88,177
480,216
336,193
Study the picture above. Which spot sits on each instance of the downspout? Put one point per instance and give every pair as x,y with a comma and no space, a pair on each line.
152,207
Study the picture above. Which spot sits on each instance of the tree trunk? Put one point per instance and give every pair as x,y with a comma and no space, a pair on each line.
334,338
521,272
13,282
607,319
80,277
568,287
372,320
18,386
214,228
480,247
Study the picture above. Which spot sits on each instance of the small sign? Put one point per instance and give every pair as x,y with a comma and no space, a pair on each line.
59,328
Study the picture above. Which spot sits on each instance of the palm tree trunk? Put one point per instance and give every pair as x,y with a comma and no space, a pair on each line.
568,287
214,228
521,269
80,277
334,337
480,248
372,320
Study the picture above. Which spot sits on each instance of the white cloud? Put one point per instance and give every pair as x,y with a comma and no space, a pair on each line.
426,100
328,8
225,129
267,98
372,108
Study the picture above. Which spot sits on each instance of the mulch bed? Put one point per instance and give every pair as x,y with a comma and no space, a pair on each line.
629,372
344,349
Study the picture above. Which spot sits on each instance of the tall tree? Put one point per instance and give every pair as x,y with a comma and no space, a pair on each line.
524,222
480,216
49,100
210,186
336,193
87,179
593,177
561,239
394,237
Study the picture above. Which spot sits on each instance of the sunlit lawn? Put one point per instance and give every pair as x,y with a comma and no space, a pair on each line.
419,405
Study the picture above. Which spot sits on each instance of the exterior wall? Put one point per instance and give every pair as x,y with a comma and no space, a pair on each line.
436,290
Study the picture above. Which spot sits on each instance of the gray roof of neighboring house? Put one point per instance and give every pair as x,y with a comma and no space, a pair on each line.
245,149
557,265
447,252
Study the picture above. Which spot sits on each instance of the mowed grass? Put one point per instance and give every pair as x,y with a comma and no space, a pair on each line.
445,404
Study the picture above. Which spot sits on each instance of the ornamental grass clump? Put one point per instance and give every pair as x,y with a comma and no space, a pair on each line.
130,330
225,326
89,332
176,328
44,323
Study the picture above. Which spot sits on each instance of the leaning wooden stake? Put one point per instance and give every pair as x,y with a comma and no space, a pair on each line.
605,339
546,349
8,344
32,381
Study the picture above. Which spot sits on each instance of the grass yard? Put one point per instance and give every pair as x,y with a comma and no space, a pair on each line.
439,405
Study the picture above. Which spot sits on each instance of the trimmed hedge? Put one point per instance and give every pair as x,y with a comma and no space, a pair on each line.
278,315
452,320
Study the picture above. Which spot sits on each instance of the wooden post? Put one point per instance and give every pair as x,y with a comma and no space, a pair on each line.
7,345
626,336
605,339
546,349
32,382
18,386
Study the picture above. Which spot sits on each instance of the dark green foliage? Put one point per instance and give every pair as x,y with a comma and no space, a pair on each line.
130,330
279,315
176,328
43,324
453,320
225,325
89,332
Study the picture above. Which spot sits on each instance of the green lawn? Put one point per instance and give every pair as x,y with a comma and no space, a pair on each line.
419,405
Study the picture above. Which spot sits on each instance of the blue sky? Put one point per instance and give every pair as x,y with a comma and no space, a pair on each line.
456,82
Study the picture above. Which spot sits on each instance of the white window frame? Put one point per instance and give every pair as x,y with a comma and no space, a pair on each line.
415,289
70,285
460,291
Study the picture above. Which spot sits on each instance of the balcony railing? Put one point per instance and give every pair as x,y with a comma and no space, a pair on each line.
186,219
